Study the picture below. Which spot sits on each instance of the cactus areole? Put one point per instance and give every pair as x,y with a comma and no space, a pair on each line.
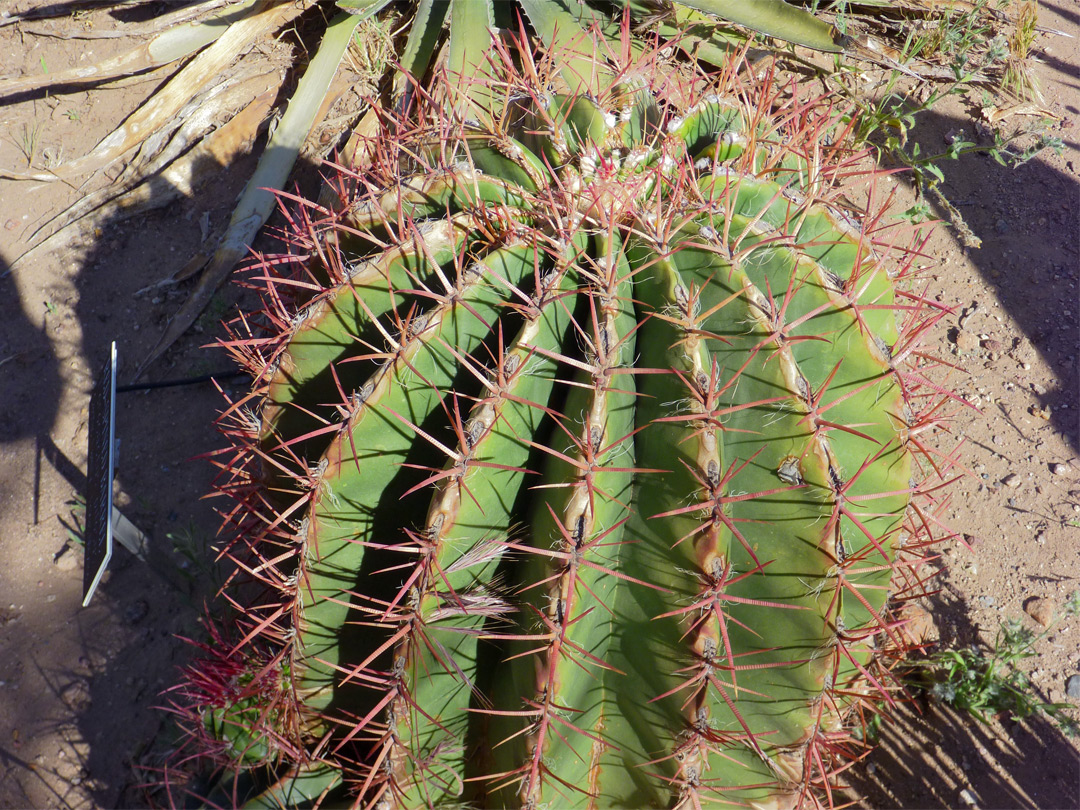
585,472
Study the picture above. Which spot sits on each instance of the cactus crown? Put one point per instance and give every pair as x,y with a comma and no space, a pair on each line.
584,471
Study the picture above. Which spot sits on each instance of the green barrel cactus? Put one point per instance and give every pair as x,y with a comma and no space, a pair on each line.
583,463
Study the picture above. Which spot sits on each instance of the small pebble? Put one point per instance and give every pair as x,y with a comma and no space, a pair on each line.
918,624
966,341
987,601
136,611
1012,480
67,561
1041,610
1059,468
1072,686
967,798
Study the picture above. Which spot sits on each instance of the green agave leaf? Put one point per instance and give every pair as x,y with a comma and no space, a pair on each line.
774,18
364,8
420,44
554,21
470,33
471,22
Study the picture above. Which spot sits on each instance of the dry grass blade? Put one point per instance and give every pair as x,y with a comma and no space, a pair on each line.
175,42
163,107
1019,78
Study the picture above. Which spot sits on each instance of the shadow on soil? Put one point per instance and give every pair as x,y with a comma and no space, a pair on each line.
931,755
1028,219
99,703
160,599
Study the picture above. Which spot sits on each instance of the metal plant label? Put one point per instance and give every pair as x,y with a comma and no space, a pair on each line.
99,476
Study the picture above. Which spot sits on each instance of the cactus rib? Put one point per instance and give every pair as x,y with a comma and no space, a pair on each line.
589,477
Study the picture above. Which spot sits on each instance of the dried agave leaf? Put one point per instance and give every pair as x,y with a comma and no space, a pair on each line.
357,153
424,32
169,176
163,106
176,42
273,170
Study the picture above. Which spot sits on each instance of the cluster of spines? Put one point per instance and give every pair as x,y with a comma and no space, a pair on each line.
406,614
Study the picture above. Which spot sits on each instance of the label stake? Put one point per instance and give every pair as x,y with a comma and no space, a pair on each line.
101,445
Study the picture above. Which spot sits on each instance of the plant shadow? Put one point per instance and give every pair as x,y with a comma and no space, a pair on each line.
1028,219
931,755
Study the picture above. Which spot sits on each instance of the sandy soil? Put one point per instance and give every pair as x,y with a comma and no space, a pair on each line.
78,686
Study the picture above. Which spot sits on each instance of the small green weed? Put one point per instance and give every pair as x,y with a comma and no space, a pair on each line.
75,525
918,213
986,683
197,558
966,44
214,312
29,141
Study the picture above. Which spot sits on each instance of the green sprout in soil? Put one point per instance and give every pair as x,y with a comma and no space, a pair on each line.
989,683
198,563
75,526
29,141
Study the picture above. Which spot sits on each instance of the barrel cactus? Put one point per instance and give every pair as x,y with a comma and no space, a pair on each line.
584,463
